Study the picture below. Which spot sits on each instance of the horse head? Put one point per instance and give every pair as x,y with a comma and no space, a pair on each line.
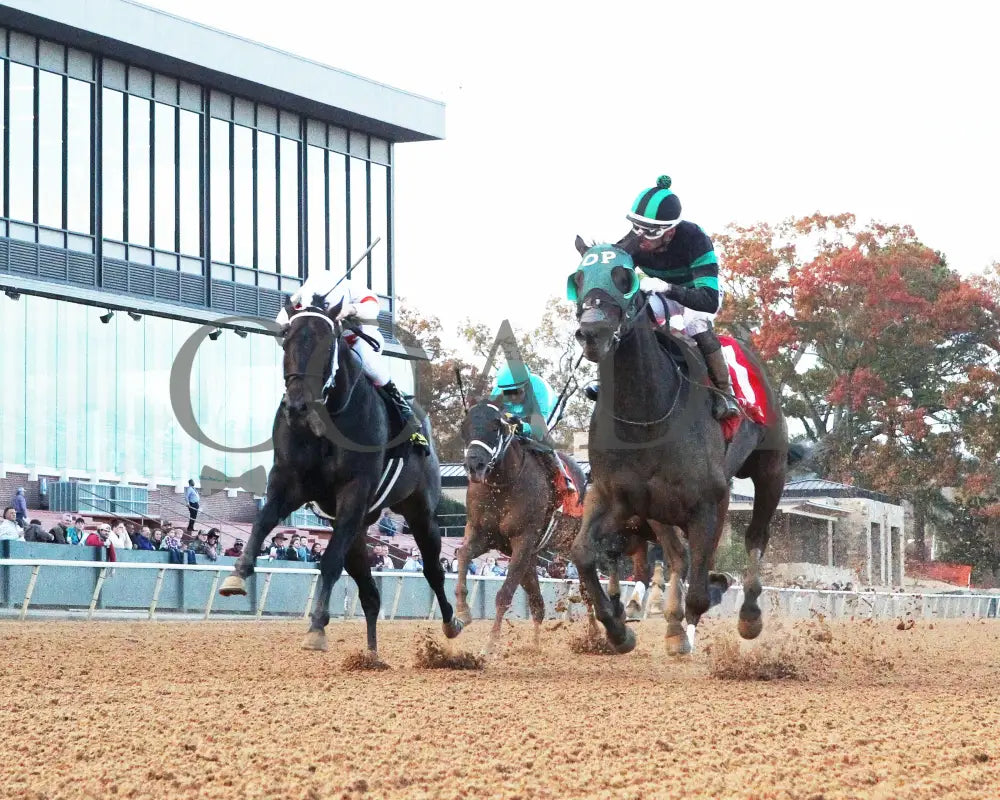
605,288
310,339
486,435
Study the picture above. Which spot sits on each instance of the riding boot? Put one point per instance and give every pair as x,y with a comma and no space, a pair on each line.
591,390
406,412
724,405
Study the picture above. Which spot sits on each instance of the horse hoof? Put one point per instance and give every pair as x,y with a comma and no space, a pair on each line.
627,644
453,628
750,628
233,584
315,640
464,616
678,645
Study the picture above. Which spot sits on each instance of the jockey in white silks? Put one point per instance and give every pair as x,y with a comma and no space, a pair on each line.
360,304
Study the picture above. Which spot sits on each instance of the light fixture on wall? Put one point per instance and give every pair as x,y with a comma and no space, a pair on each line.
106,318
240,332
13,294
215,334
135,315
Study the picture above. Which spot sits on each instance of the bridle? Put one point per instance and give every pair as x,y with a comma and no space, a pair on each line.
336,330
499,450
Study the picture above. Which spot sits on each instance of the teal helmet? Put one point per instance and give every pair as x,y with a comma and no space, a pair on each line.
506,381
595,272
657,207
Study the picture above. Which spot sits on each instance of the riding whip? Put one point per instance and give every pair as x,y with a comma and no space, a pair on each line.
350,269
461,387
562,396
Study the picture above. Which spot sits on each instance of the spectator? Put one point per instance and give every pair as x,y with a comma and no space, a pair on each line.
471,568
20,508
278,551
414,562
315,554
212,544
445,565
542,571
143,540
175,548
557,568
386,525
119,537
292,551
76,533
157,539
99,537
571,572
9,529
490,568
36,533
303,549
374,557
236,550
61,533
193,502
386,561
132,532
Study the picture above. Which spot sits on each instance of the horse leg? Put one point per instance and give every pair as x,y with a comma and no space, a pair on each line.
427,535
615,591
520,562
283,497
700,536
670,539
536,604
472,546
768,477
349,516
356,564
640,570
584,555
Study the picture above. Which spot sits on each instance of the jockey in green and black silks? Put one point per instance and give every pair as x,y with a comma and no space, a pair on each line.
682,279
530,401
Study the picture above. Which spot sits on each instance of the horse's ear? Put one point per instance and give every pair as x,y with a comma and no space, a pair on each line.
581,246
333,311
289,305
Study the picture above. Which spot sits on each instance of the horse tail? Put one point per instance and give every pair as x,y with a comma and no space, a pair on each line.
797,451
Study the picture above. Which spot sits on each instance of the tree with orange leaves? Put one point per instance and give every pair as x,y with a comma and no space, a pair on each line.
884,354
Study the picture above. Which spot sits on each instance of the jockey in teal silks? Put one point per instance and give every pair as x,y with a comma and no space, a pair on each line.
528,401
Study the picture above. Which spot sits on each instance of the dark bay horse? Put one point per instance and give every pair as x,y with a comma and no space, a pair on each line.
657,453
511,502
330,434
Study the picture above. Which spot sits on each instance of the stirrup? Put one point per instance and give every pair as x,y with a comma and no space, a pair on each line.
419,439
725,407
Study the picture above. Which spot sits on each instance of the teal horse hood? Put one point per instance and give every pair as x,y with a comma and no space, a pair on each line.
597,271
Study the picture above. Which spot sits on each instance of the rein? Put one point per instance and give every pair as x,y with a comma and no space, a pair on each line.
616,339
334,359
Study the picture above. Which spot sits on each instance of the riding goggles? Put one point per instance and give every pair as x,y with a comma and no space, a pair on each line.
649,232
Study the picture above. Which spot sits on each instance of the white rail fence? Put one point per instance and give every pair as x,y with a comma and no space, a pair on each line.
279,591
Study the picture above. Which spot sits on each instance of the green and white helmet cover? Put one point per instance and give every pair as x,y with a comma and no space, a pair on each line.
596,267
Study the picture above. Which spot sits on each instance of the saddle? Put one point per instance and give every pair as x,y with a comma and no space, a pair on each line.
397,427
569,503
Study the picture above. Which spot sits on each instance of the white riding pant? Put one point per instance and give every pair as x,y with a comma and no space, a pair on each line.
681,319
373,363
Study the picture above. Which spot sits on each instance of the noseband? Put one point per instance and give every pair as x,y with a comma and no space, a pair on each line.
498,451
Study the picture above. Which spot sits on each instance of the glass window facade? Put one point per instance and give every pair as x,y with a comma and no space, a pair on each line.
136,183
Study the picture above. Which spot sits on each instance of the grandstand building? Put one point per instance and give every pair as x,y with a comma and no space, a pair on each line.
159,176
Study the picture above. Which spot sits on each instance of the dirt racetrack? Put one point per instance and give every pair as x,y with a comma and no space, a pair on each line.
237,710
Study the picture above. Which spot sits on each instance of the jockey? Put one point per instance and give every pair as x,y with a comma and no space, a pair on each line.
360,306
682,279
516,399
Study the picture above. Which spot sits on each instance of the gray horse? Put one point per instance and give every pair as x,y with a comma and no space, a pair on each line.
657,453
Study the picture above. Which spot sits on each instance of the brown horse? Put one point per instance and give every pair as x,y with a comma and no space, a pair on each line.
511,505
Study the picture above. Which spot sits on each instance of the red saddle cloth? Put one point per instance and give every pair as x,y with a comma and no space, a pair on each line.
572,505
748,385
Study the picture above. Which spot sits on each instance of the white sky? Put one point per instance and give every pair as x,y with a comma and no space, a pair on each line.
558,114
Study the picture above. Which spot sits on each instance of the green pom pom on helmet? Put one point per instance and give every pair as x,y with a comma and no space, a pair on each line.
657,207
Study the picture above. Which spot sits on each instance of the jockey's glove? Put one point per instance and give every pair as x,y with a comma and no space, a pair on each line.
654,285
348,310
